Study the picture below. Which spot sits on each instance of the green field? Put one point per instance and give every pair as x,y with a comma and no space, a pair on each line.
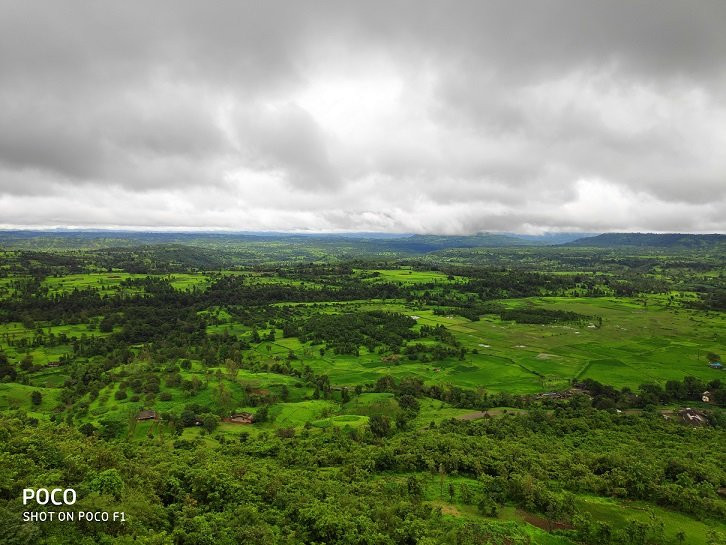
112,282
385,379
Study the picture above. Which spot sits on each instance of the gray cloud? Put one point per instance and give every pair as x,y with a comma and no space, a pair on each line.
401,115
286,139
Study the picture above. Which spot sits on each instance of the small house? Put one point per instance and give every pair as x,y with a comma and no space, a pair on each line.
706,397
240,418
54,364
716,365
147,415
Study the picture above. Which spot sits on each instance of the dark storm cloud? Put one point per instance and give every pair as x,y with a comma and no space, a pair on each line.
398,115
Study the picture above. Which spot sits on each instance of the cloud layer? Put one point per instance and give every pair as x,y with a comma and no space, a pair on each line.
407,116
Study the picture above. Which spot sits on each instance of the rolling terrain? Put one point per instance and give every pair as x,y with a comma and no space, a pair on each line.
525,394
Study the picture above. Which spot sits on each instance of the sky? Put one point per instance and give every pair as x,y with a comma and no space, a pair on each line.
420,116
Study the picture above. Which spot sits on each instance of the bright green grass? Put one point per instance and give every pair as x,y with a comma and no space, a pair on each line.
17,396
635,344
342,421
619,513
289,415
6,289
106,405
408,276
433,410
111,282
282,281
106,282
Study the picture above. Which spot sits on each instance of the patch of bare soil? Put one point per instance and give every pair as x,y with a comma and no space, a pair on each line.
447,509
472,416
541,522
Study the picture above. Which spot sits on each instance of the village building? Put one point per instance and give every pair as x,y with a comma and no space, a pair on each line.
240,418
147,415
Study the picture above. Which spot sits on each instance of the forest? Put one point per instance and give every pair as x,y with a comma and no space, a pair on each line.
420,390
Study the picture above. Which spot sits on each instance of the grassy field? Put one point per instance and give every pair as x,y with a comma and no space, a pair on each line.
406,275
634,344
618,513
638,340
111,282
18,396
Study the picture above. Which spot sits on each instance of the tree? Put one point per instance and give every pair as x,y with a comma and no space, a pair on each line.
486,506
7,371
111,428
466,494
408,402
262,414
232,368
414,487
106,325
26,364
108,482
188,417
380,425
36,398
87,429
224,398
402,421
209,421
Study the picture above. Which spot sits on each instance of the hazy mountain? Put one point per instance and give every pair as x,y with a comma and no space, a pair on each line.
665,240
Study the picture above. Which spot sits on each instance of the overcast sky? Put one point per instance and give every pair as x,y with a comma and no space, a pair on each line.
405,116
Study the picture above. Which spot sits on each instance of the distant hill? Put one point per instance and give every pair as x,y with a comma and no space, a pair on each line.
432,243
652,240
345,245
368,242
552,238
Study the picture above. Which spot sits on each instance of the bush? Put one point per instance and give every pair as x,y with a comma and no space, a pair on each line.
286,433
209,421
87,429
262,415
